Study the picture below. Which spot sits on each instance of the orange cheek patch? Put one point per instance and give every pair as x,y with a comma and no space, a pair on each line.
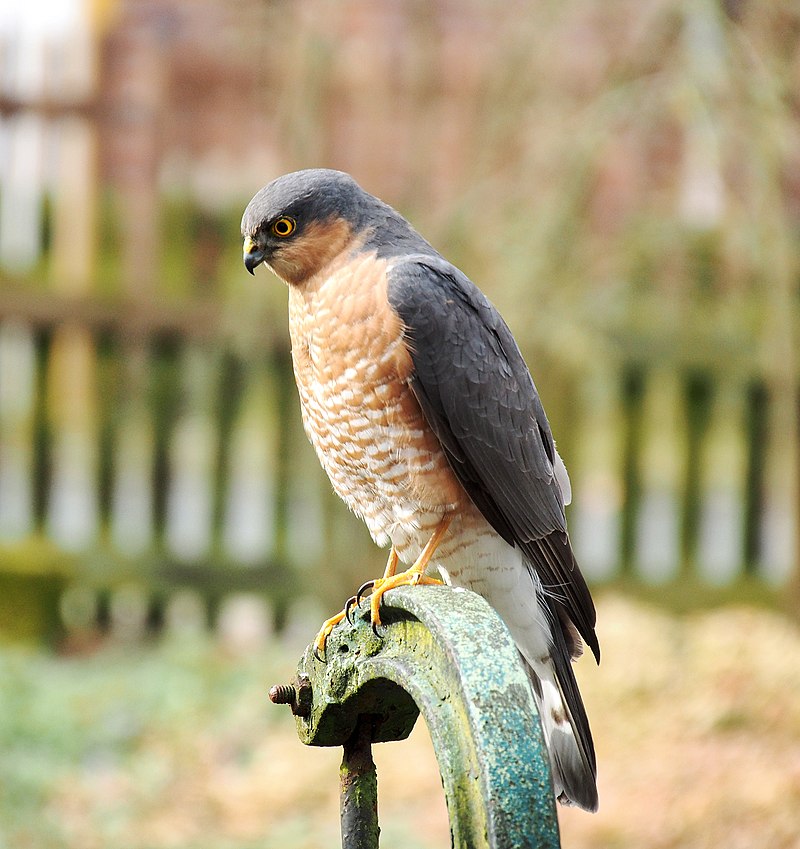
304,255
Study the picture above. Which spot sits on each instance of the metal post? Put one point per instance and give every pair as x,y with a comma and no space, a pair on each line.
358,783
445,653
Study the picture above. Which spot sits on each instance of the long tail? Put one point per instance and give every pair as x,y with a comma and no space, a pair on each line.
565,725
547,642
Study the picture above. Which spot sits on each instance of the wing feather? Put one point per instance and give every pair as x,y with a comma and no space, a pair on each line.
479,398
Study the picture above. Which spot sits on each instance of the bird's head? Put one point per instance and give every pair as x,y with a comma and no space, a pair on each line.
299,222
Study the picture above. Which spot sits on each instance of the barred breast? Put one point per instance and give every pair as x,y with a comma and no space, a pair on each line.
352,368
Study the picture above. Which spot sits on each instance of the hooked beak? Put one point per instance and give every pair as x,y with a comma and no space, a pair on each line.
253,255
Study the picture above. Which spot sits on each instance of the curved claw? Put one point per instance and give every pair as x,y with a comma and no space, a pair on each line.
367,585
348,607
317,655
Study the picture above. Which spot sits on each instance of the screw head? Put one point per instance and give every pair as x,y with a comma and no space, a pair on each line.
298,695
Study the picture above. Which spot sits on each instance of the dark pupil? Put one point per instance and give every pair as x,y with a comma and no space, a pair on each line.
283,227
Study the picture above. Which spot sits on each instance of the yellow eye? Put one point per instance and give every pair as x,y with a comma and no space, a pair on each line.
284,227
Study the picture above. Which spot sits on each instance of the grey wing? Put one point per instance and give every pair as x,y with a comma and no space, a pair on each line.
479,398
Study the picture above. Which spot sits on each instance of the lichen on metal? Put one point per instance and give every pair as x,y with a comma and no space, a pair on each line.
358,786
445,653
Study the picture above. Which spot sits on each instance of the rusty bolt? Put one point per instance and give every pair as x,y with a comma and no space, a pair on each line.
282,694
298,695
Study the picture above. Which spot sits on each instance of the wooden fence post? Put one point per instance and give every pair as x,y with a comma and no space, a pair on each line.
596,476
657,548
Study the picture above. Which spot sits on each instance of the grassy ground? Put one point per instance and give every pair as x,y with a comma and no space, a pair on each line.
697,722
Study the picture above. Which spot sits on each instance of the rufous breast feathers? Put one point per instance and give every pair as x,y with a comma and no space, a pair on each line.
352,369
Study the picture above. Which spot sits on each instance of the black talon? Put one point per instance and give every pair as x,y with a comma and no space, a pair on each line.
362,589
318,656
348,606
375,629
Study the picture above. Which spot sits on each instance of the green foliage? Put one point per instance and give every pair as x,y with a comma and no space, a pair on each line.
144,747
90,716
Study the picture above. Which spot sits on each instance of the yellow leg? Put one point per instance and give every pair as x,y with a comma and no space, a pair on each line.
412,577
380,586
391,564
329,624
324,632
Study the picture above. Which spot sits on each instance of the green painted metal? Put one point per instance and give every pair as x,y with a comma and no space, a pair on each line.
445,653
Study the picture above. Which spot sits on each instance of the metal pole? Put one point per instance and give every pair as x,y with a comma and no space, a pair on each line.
358,784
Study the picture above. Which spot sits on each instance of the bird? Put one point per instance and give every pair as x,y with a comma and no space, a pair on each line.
425,417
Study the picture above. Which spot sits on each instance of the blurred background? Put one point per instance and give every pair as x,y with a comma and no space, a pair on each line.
622,179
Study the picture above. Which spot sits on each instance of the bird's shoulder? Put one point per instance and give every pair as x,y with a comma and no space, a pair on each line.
456,331
424,278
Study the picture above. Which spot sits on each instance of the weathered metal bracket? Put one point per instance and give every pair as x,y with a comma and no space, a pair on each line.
446,653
